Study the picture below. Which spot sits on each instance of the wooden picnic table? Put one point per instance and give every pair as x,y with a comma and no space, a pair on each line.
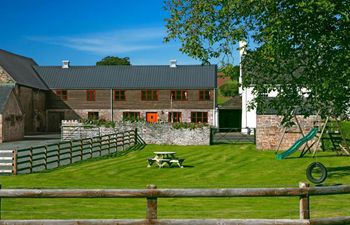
165,158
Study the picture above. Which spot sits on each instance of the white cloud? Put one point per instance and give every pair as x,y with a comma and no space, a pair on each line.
114,42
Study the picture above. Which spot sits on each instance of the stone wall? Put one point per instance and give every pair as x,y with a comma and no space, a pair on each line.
151,133
5,78
269,131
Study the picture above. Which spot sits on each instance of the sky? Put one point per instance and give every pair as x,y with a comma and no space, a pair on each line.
85,31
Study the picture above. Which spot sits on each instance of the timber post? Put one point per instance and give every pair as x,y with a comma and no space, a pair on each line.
304,206
135,136
14,166
151,211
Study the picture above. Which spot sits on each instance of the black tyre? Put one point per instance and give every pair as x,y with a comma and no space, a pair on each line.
316,172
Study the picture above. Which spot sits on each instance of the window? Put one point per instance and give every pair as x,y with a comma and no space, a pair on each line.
91,95
178,95
204,95
149,95
199,117
62,94
131,116
174,117
119,95
93,115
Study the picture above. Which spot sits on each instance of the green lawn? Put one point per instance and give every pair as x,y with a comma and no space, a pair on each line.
217,166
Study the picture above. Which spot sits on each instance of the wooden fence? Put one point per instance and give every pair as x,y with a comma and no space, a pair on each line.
152,194
34,159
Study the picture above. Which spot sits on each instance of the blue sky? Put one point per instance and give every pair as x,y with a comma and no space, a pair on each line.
85,31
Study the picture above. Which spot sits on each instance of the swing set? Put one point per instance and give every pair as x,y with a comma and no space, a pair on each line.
327,133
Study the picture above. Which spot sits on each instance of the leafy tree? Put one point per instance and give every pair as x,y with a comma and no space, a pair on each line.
230,70
114,60
229,89
299,48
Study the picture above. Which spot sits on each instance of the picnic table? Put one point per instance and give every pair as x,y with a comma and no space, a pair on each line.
165,158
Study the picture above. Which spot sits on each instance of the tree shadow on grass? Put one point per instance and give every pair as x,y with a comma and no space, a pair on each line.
338,172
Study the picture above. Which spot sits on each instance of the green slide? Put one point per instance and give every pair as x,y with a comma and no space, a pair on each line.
297,144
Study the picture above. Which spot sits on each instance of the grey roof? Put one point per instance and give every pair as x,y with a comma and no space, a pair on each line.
129,77
5,92
20,68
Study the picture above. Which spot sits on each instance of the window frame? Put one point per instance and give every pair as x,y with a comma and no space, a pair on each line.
120,95
177,115
203,118
92,117
145,95
202,95
183,93
136,115
89,97
61,95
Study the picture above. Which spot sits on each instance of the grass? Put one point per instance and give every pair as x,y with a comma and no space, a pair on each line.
217,166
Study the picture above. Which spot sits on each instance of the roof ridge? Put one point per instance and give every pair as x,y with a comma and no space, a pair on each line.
14,54
126,66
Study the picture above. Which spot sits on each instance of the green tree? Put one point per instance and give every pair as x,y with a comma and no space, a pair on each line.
299,48
229,89
231,71
114,60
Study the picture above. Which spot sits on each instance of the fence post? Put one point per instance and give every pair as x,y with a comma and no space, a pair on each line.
81,150
135,136
14,166
151,211
71,151
304,207
255,136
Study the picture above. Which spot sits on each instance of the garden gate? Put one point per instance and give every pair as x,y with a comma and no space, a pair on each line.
232,135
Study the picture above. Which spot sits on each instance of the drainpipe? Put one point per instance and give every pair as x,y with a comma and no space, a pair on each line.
111,105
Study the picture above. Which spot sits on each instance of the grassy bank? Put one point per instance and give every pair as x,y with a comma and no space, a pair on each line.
226,166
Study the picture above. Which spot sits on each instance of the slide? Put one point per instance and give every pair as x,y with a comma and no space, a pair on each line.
297,144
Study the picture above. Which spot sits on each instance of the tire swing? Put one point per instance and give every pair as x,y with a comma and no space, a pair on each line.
316,172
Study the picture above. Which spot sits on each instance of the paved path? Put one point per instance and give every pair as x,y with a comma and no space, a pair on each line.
31,141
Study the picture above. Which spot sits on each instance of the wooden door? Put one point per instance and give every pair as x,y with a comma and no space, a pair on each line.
152,117
55,120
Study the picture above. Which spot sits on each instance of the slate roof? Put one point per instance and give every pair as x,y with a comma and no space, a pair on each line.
5,92
129,77
20,68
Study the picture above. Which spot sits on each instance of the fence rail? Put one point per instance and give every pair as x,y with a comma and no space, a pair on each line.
152,194
34,159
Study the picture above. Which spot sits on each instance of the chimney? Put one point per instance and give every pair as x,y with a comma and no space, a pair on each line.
65,64
173,63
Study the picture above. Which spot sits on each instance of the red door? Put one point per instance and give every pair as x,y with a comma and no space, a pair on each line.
151,117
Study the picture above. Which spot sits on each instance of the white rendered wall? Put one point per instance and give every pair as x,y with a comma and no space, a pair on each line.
248,116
